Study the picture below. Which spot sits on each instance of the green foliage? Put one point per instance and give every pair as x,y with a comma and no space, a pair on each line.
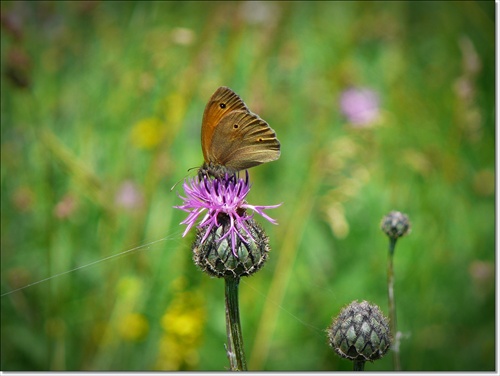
101,107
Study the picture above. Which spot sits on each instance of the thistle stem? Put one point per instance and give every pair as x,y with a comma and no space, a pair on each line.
235,351
392,305
358,365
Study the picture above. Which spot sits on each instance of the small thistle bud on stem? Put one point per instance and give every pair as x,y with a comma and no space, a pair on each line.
395,225
360,333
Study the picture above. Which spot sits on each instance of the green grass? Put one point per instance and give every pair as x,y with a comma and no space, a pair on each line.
114,94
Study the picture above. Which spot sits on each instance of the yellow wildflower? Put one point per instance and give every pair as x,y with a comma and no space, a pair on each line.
183,324
147,133
133,327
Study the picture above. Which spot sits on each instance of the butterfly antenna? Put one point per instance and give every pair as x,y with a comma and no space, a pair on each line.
185,176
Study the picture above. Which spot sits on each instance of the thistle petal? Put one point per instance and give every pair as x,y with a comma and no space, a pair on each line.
220,196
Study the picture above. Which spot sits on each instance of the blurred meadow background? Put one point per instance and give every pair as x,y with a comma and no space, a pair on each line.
378,106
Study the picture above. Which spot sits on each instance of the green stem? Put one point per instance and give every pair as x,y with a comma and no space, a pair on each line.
235,351
392,305
358,365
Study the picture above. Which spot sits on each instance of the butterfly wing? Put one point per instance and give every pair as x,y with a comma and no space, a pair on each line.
222,102
242,140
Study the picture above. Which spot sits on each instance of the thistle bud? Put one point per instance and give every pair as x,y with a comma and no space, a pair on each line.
360,332
395,225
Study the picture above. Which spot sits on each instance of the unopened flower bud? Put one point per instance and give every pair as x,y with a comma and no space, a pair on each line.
395,225
360,332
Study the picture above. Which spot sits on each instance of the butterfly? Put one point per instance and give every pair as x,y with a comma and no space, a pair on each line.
232,137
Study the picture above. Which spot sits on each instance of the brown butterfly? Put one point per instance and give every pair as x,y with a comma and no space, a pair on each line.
232,137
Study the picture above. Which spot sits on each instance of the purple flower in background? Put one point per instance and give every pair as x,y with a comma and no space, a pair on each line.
66,207
360,106
129,196
220,197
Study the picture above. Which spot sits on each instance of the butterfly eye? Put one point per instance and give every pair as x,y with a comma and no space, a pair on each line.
222,105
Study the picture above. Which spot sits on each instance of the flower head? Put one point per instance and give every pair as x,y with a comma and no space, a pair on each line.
360,106
222,200
129,196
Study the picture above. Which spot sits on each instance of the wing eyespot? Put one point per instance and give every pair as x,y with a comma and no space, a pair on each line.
236,126
222,105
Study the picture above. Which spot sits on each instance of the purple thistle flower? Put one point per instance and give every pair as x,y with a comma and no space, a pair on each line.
216,197
360,106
